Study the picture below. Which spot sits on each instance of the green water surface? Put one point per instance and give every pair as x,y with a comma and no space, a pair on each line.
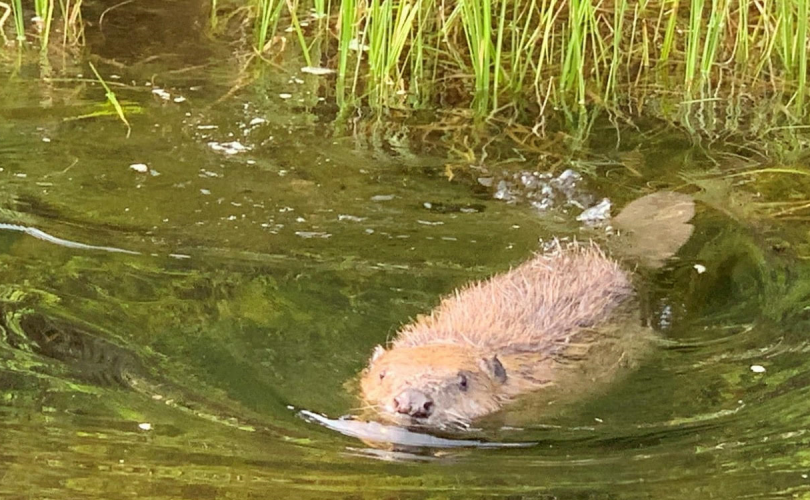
266,275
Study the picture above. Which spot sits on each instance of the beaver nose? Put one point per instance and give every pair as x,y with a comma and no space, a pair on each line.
414,403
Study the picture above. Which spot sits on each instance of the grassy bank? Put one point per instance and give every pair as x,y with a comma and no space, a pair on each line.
715,68
530,55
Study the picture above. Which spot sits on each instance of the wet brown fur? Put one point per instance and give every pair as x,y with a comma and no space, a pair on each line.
534,307
531,320
543,325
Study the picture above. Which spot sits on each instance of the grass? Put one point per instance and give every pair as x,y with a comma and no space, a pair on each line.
520,58
491,55
43,10
72,23
267,16
17,14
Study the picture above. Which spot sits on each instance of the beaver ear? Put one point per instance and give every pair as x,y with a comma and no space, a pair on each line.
376,353
494,367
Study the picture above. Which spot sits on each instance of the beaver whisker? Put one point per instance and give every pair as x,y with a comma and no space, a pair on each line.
456,425
456,421
365,408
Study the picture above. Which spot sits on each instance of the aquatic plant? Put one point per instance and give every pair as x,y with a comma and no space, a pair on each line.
17,14
72,28
112,99
72,22
532,54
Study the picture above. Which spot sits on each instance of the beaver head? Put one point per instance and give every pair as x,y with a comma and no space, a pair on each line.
433,385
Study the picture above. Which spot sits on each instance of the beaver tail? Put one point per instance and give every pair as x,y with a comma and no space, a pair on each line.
655,226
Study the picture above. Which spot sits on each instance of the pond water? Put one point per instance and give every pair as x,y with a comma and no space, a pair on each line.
267,254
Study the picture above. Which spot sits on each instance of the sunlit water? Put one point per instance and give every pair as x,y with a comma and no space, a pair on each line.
273,254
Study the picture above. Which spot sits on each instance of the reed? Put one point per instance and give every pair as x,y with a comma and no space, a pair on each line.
17,14
72,22
45,11
388,30
46,20
801,49
41,8
268,13
348,40
492,55
476,19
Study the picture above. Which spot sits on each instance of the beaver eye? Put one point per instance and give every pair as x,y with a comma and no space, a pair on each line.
463,384
382,374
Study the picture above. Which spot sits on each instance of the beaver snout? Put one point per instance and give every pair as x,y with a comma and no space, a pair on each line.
414,403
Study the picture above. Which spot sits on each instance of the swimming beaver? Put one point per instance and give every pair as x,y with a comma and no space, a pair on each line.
523,330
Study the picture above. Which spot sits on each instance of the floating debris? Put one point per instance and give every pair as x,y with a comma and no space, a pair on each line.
315,70
139,167
356,46
448,208
285,95
352,218
700,268
229,148
161,93
597,213
313,234
757,368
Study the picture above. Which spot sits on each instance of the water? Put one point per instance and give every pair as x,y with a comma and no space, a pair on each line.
265,277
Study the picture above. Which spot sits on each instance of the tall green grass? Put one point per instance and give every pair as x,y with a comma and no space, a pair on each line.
17,14
267,17
72,23
495,54
347,34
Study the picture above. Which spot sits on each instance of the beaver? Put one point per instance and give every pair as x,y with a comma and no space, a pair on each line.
522,331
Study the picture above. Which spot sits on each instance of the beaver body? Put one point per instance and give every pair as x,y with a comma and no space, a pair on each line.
529,329
496,339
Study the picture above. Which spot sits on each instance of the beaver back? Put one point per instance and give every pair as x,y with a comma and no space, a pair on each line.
535,307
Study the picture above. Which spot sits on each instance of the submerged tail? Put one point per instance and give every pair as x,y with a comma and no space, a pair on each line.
655,226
